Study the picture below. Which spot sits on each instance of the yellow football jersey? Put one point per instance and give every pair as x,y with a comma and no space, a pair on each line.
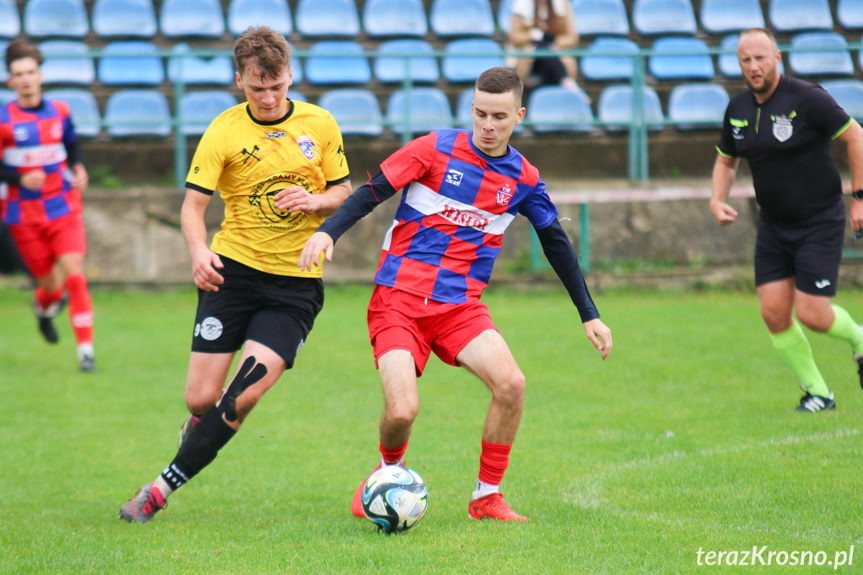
249,161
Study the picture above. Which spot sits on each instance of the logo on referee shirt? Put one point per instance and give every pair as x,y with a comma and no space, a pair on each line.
782,128
210,328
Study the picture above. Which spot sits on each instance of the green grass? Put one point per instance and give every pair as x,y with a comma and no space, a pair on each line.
684,439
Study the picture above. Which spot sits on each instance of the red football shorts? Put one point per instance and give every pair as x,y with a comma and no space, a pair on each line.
401,320
41,244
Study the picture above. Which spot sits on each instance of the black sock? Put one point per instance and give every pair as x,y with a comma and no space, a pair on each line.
209,435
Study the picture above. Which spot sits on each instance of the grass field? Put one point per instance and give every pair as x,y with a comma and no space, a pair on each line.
685,439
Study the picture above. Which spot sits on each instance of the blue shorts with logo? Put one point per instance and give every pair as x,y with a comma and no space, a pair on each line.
810,252
276,311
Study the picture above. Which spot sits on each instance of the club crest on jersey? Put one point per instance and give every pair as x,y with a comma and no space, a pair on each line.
453,177
307,145
504,195
782,128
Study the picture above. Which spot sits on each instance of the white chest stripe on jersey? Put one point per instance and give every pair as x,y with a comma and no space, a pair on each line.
426,201
34,156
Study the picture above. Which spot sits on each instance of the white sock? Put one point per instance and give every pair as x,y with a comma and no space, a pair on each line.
400,462
163,487
483,489
85,349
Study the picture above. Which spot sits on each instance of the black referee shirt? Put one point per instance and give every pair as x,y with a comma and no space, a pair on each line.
786,141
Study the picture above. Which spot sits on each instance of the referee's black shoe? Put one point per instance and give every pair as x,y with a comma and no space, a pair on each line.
46,320
811,403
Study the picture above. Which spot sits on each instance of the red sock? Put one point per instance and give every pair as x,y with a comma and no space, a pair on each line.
80,308
493,462
46,298
393,456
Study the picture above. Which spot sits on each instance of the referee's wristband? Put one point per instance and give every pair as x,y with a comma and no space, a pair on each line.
857,194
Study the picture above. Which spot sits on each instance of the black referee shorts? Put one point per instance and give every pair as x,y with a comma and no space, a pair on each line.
277,311
809,252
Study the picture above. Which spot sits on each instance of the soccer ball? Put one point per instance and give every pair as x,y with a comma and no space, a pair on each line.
395,498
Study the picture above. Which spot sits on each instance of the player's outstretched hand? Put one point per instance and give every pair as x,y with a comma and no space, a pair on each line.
723,213
204,264
599,334
311,254
297,199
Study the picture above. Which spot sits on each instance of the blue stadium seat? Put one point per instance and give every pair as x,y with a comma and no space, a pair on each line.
600,17
598,68
145,68
83,107
327,18
297,68
461,18
192,18
199,70
653,17
486,53
729,67
614,108
557,109
680,59
504,15
849,13
56,18
6,96
697,106
274,13
723,16
429,110
10,19
848,93
67,70
124,18
198,109
296,96
321,69
4,73
390,69
137,113
356,110
799,15
395,18
805,63
463,111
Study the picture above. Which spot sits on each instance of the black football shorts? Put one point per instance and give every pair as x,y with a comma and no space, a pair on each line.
277,311
809,252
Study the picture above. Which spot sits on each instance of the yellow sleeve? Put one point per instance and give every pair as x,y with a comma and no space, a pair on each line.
208,161
334,164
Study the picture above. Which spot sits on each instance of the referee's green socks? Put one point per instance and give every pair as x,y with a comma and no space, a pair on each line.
846,329
793,346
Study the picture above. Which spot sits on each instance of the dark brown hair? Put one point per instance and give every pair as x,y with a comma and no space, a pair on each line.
265,48
20,49
500,80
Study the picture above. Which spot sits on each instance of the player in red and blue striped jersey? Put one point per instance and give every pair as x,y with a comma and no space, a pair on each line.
461,191
40,163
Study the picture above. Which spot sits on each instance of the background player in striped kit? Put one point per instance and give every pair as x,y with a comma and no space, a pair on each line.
41,163
461,191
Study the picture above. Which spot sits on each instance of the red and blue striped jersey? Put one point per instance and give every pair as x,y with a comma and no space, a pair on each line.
32,139
456,204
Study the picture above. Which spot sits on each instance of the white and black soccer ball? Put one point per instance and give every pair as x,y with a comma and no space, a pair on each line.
395,498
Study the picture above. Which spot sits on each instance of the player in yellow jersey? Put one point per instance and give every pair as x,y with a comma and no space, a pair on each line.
252,294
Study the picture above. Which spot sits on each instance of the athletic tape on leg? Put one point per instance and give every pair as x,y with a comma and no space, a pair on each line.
246,377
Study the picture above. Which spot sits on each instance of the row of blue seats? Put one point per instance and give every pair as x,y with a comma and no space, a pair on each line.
549,109
381,18
136,62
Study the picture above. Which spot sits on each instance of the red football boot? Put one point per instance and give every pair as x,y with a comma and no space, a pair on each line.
493,506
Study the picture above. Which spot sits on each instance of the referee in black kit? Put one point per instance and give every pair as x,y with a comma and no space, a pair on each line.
783,127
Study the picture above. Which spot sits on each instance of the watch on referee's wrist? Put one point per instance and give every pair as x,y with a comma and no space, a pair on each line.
857,195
